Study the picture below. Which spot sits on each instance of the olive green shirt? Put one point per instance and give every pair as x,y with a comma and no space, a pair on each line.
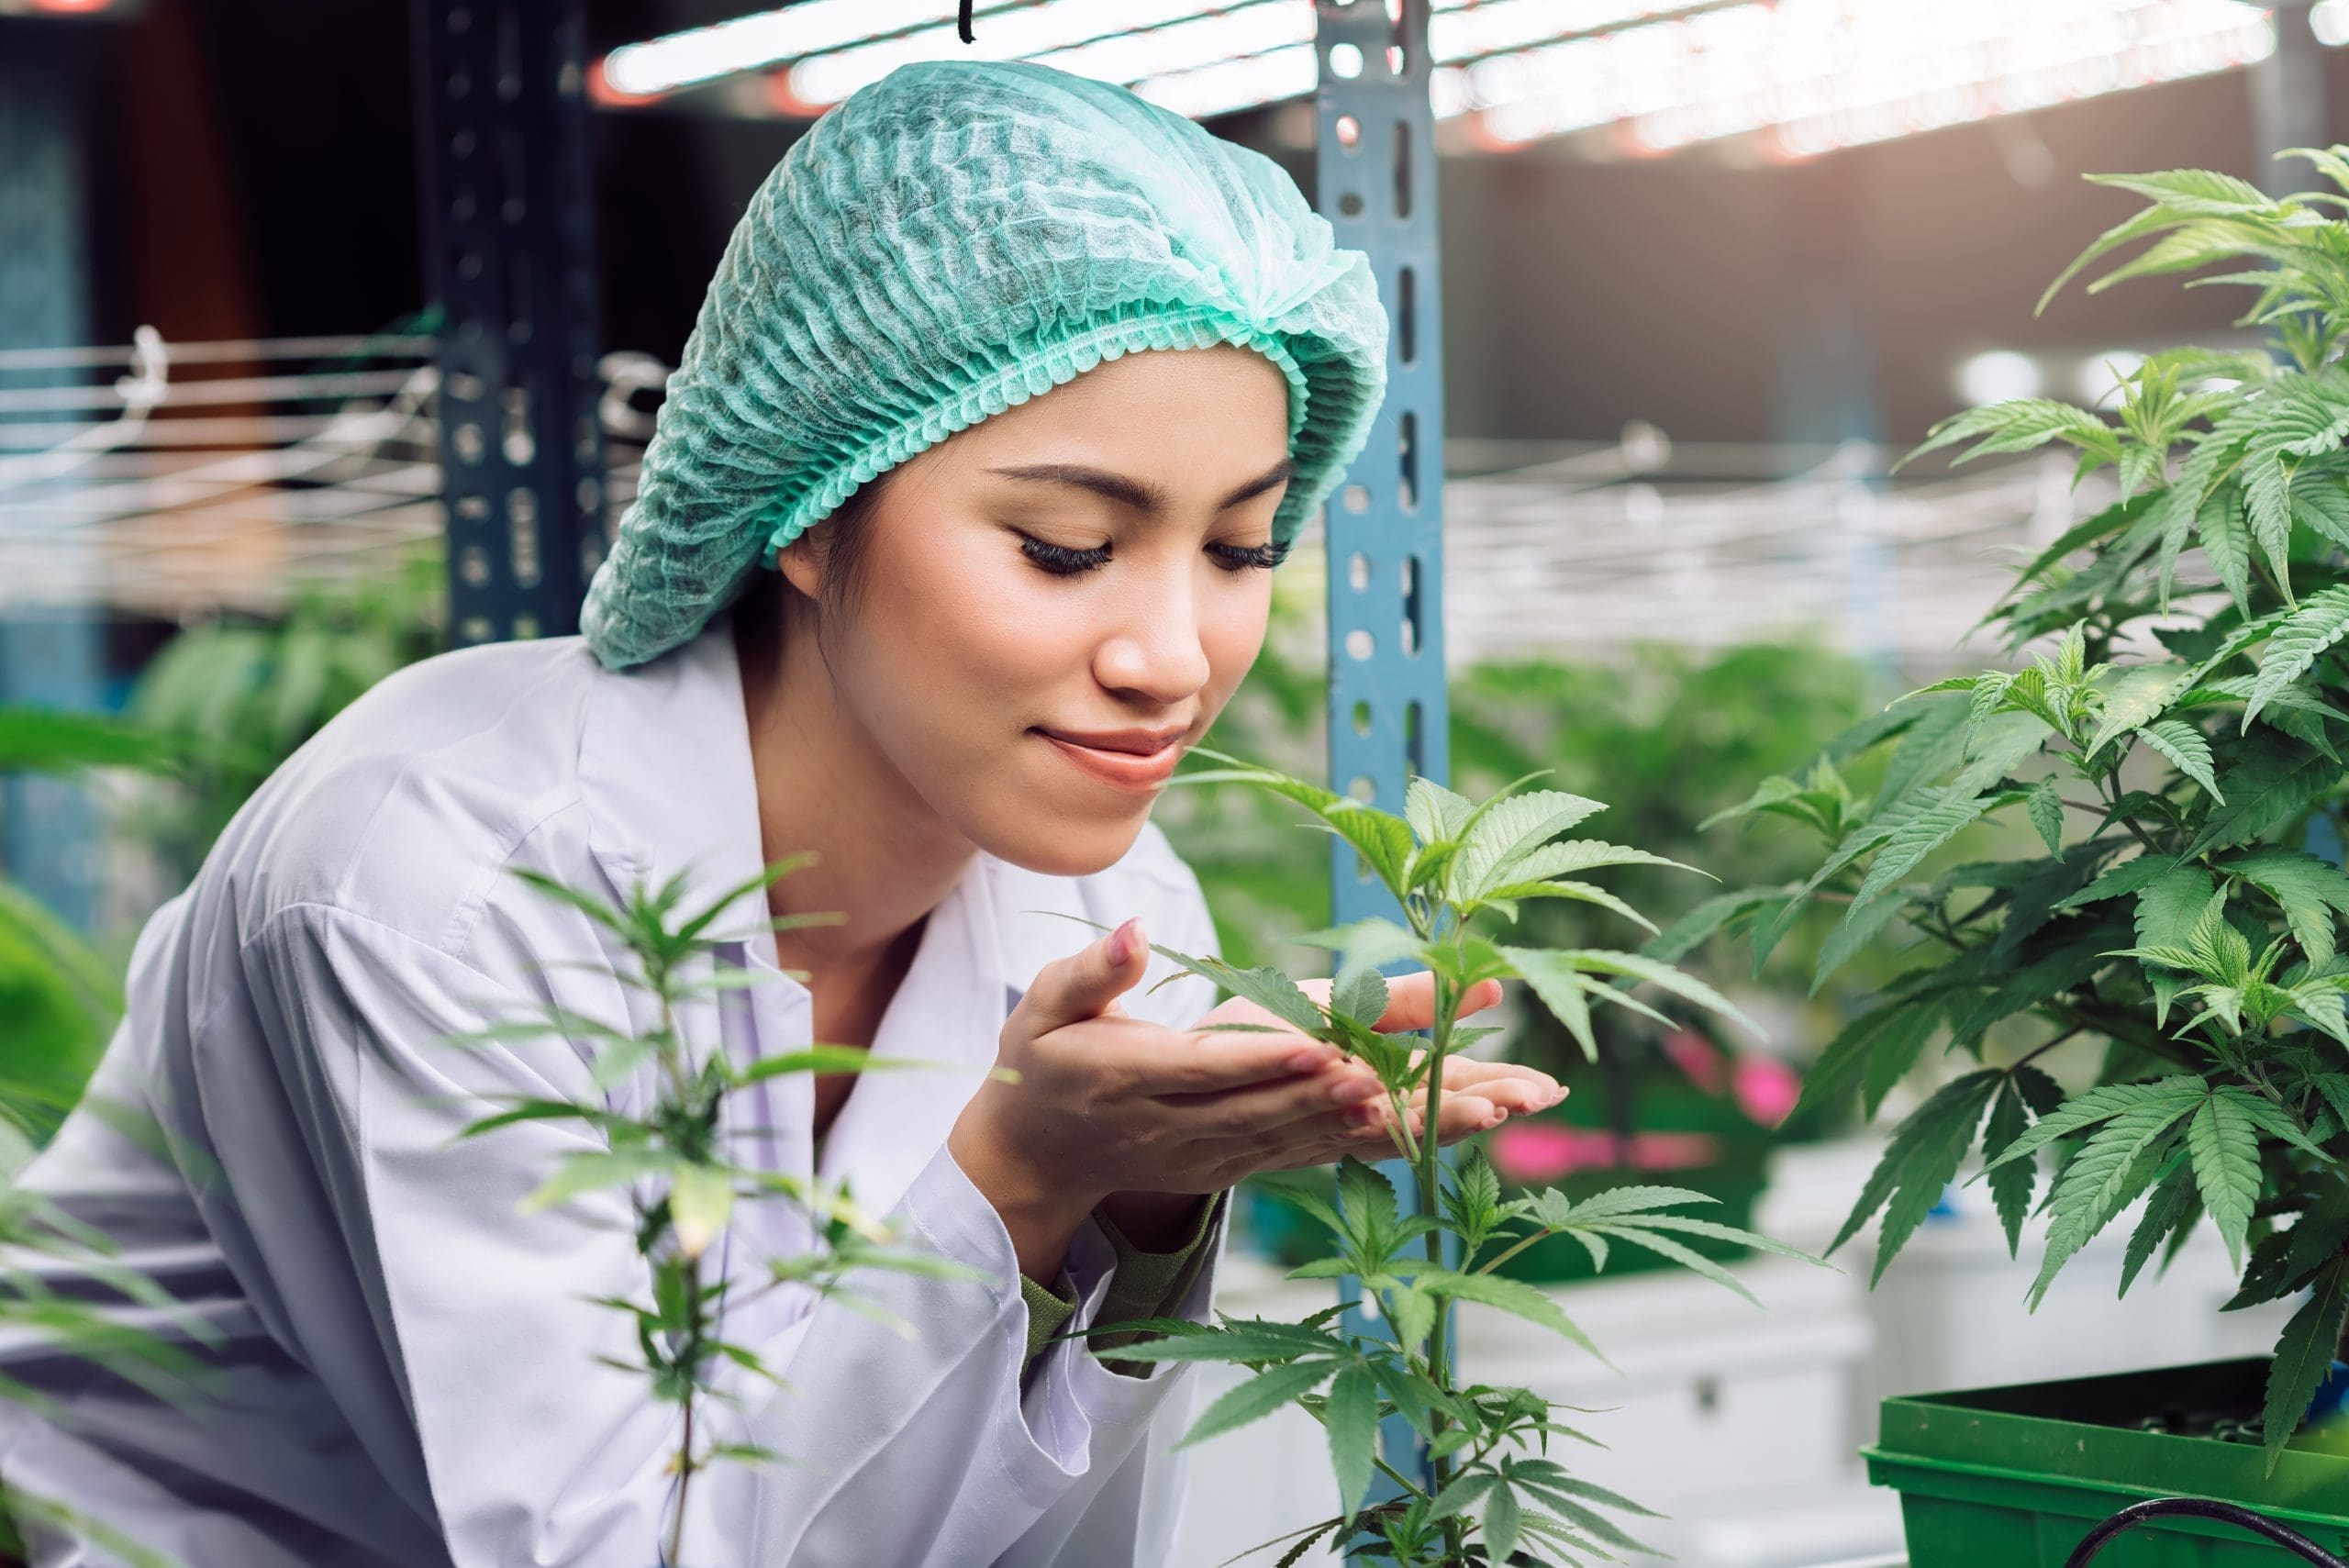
1141,1284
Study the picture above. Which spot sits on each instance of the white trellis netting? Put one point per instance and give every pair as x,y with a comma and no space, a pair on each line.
183,479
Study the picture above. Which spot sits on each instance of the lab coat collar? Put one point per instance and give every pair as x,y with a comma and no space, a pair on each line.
670,791
665,767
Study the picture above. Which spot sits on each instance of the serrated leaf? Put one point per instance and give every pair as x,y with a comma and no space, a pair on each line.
2173,1203
2128,877
1434,812
2166,910
1849,937
2304,1356
2045,804
1259,1396
1914,841
1360,993
1511,827
2271,1118
1350,1413
2188,750
1501,1526
1559,988
1510,1295
1845,1058
2269,782
2011,1183
1640,968
1919,1162
2134,695
2321,620
2178,1094
2225,1152
2120,1160
2309,891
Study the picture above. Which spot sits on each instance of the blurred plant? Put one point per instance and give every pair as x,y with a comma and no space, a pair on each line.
1676,734
247,694
1446,861
59,997
61,1001
2175,913
684,1184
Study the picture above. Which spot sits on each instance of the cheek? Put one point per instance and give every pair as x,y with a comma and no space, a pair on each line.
1231,633
970,650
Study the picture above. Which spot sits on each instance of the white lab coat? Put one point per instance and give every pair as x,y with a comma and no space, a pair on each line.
408,1372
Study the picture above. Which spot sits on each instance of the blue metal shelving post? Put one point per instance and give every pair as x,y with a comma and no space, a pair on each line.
1374,175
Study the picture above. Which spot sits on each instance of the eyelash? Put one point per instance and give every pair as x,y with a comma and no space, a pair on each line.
1063,561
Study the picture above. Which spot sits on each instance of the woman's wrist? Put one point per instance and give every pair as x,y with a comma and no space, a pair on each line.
1041,1217
1154,1222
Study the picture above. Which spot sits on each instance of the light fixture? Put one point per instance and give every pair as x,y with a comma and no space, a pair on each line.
1807,76
1999,376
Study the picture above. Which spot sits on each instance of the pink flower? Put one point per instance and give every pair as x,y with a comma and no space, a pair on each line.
1766,1088
1528,1152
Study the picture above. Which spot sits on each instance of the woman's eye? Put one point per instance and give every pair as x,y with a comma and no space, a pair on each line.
1248,558
1060,559
1065,560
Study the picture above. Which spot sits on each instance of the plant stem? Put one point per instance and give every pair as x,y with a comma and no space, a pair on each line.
1519,1245
1431,1175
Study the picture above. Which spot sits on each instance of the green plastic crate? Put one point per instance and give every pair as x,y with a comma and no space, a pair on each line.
2014,1477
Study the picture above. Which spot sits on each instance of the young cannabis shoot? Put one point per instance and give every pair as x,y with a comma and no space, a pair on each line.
684,1184
1447,862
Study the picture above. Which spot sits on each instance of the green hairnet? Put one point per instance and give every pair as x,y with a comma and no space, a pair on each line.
952,239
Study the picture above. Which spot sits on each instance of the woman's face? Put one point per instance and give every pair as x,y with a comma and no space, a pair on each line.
1054,604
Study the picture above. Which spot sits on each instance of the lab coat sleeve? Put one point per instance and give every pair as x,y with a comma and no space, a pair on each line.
904,1434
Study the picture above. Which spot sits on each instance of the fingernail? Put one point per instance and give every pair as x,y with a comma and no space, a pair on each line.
1312,1058
1126,940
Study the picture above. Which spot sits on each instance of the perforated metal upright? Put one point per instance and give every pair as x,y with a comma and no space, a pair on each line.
1375,178
510,258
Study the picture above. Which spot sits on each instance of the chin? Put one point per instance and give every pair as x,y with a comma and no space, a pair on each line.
1059,847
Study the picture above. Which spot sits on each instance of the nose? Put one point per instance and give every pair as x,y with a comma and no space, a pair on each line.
1155,649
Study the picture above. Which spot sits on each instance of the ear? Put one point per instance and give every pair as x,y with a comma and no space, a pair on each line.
801,562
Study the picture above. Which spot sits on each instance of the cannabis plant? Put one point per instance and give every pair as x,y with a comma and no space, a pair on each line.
2173,748
676,1156
61,998
1496,1494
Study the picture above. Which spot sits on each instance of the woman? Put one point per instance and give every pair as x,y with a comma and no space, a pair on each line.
1043,572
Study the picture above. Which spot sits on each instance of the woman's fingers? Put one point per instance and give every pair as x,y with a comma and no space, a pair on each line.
1259,1109
1162,1062
1410,1001
1507,1084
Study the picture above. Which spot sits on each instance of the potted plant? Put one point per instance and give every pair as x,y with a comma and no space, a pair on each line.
2172,746
1496,1494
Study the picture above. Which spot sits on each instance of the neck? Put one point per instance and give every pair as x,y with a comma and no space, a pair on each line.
886,859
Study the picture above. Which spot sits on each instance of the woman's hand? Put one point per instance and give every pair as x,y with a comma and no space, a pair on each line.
1109,1103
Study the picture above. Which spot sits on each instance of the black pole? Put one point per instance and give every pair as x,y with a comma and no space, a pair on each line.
509,226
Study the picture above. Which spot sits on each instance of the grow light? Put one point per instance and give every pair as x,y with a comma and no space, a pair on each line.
1818,74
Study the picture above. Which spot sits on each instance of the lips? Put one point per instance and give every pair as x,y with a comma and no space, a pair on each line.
1130,760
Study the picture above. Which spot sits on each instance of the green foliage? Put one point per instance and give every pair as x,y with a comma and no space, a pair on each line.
2175,914
684,1184
1449,862
61,1001
61,998
240,696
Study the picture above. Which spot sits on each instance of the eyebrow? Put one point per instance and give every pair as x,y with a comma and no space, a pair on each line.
1141,495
